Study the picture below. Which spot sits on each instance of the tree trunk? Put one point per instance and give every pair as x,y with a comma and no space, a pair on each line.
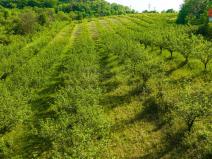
161,50
186,59
171,54
190,124
206,66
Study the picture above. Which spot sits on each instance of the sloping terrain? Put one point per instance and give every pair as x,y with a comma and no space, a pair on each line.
106,88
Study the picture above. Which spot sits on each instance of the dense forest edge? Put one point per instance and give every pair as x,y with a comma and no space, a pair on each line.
77,9
91,79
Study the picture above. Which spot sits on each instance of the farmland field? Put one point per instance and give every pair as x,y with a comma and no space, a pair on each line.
132,86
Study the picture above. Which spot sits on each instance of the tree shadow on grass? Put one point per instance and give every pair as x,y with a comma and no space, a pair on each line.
181,65
53,87
46,95
172,146
150,110
205,75
42,103
107,75
172,138
139,90
46,98
156,155
60,68
106,61
113,101
111,86
35,145
149,114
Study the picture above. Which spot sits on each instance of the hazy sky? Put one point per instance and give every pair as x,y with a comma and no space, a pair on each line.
159,5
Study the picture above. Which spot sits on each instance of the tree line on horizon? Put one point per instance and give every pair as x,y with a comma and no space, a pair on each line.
29,16
83,8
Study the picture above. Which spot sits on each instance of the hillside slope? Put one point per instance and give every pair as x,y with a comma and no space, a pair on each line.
113,87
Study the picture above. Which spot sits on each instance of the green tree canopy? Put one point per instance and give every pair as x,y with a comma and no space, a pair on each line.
81,7
193,11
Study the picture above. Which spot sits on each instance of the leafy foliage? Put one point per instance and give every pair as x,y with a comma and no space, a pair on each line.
193,11
87,8
60,80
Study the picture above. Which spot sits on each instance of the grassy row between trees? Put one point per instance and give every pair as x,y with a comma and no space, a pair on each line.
175,94
19,89
176,39
56,90
51,103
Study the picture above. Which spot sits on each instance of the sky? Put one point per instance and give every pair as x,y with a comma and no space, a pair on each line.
141,5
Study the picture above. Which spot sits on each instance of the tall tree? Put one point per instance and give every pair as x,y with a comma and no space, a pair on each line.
193,11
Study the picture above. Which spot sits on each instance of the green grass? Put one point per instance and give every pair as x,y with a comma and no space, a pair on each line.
84,95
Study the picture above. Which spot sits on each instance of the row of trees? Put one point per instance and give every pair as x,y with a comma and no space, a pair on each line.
83,8
13,60
28,16
164,11
95,8
190,46
58,104
178,39
180,103
31,3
